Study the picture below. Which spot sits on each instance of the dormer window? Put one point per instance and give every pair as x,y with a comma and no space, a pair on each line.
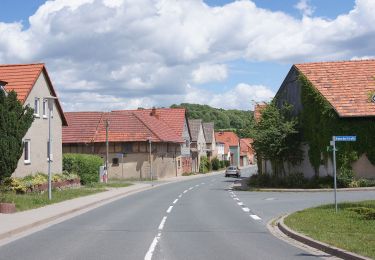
36,107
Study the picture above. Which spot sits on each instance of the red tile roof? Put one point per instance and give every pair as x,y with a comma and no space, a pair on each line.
345,84
22,77
229,138
82,126
124,126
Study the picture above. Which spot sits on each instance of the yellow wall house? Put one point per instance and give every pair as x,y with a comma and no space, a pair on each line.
33,85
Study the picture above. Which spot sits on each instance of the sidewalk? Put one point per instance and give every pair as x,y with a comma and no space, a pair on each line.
13,224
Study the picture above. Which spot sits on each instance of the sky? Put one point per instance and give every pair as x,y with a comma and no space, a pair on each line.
103,55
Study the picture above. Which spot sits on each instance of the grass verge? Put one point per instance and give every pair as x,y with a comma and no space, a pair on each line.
35,200
349,229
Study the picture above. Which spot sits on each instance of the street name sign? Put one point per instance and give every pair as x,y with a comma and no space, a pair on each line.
345,138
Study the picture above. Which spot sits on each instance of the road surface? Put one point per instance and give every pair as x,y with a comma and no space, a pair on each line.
195,219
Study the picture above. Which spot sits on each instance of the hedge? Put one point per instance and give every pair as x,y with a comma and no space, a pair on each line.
86,166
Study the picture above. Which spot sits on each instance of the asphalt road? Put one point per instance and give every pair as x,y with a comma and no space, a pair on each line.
194,219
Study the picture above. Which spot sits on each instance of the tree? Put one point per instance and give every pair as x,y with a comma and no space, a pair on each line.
15,120
276,137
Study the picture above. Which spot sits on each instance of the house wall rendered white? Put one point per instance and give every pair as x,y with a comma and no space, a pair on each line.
38,135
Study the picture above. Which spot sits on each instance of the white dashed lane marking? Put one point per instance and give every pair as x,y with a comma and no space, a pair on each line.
175,201
255,217
185,191
169,209
246,209
240,203
161,226
151,250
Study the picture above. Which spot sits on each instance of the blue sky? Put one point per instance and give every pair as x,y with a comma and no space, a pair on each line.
146,53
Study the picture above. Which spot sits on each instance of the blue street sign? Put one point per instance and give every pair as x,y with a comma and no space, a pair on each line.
345,138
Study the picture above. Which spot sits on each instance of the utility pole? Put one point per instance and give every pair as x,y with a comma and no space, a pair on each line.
107,148
149,140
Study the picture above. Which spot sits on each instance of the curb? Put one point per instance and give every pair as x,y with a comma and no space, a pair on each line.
317,244
63,214
318,190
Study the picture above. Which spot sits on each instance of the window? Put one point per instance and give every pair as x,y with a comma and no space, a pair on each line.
45,108
48,152
36,107
26,152
115,161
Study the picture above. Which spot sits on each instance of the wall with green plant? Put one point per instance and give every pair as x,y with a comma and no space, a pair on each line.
86,166
319,122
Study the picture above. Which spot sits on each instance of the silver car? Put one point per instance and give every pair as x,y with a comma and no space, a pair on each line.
232,171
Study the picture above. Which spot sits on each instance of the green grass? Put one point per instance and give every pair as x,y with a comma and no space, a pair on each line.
35,200
346,229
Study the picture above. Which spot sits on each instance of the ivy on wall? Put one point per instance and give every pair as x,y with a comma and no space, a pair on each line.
319,122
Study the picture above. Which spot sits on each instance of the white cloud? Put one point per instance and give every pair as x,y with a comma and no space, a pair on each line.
207,73
305,7
240,97
363,58
147,52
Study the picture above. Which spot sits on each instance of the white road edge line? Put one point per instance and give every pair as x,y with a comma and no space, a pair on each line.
197,185
255,217
191,188
174,202
246,209
169,209
202,183
151,250
161,226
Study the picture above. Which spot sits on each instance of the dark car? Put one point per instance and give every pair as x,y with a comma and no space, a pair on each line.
232,171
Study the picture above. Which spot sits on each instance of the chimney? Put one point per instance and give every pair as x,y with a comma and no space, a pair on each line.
154,113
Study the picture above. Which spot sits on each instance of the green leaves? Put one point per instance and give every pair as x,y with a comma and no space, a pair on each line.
15,120
276,136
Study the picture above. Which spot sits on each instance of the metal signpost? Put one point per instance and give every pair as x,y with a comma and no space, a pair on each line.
333,144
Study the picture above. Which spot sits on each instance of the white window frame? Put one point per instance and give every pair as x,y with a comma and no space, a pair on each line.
28,160
36,107
45,108
51,154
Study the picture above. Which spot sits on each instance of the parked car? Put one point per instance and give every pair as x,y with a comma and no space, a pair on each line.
233,170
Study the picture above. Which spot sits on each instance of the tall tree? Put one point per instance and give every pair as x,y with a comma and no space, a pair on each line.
276,137
15,120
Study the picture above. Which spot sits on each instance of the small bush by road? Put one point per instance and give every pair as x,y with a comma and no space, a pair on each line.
352,228
86,166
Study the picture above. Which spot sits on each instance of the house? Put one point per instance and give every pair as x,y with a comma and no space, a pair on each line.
209,134
198,143
347,89
247,152
33,85
131,136
232,142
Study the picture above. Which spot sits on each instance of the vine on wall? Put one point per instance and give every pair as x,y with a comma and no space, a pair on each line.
319,122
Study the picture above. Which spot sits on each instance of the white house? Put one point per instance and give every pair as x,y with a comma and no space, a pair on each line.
33,85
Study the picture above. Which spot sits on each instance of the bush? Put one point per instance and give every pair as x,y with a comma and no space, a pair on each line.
344,177
86,166
205,165
222,164
295,180
215,164
366,213
226,163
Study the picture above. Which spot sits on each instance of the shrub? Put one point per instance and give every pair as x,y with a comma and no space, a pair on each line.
226,163
366,213
187,173
295,180
222,164
205,165
86,166
345,177
215,164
